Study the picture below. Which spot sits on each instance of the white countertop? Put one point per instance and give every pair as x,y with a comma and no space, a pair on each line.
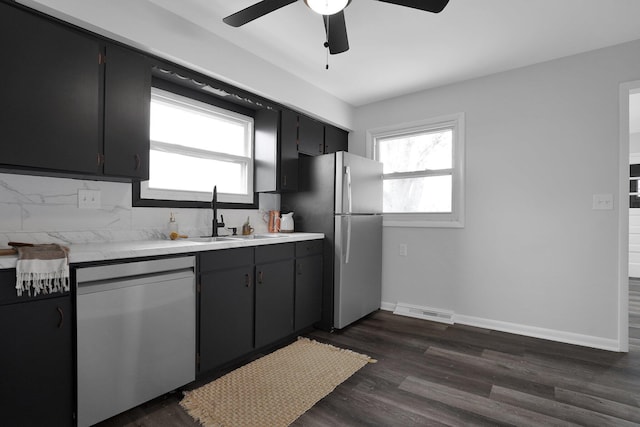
89,252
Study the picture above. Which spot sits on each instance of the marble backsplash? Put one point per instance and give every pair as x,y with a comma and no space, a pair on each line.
39,209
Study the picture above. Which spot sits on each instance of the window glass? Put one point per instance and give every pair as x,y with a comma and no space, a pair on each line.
195,146
423,172
420,151
195,174
191,126
423,194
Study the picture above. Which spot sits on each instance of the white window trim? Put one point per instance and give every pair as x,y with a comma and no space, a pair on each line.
248,162
455,219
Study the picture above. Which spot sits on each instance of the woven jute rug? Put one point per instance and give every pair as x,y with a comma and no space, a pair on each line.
275,389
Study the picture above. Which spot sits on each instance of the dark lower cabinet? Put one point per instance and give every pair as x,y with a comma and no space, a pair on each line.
274,301
246,301
308,289
36,363
226,306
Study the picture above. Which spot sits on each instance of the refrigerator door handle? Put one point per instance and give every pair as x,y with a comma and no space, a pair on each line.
348,250
347,172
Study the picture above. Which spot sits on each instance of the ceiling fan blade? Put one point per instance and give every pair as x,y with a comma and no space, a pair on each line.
255,11
336,29
434,6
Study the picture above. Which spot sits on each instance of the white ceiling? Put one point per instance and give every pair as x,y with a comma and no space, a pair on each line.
397,50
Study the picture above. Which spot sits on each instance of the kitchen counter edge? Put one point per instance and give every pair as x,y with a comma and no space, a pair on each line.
91,252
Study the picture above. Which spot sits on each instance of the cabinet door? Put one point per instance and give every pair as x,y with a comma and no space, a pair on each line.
126,113
310,136
276,151
50,95
226,316
36,363
308,306
288,151
274,301
335,139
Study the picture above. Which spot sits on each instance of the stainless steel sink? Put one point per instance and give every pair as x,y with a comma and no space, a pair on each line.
209,239
257,236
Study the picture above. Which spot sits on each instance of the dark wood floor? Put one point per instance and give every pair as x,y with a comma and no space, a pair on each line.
431,374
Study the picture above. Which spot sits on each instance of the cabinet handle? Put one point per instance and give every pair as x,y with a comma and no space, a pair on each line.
284,180
299,269
61,322
260,277
247,280
138,162
99,159
320,147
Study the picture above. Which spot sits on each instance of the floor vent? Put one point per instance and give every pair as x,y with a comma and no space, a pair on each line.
426,313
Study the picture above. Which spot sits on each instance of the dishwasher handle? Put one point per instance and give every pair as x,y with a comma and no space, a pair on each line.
105,285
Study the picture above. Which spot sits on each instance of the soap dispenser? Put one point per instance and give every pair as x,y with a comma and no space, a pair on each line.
173,225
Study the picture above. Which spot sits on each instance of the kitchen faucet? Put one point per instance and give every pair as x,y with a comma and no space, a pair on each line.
214,207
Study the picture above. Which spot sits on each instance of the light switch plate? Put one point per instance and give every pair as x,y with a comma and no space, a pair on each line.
402,249
89,199
602,202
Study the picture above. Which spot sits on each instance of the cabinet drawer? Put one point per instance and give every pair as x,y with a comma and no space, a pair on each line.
225,258
310,247
268,253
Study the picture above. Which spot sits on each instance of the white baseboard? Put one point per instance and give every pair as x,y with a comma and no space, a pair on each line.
387,306
543,333
513,328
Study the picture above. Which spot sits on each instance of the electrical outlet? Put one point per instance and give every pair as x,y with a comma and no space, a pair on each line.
89,199
602,202
402,249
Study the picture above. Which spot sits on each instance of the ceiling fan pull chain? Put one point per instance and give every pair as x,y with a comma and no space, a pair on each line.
326,67
326,43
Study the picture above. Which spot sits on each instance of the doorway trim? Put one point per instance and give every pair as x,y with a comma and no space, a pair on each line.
626,89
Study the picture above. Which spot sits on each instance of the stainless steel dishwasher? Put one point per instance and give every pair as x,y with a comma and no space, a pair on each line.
136,334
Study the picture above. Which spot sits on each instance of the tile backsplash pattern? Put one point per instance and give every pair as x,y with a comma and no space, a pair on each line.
39,209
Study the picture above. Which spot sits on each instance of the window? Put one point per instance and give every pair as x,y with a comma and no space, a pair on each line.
423,172
194,146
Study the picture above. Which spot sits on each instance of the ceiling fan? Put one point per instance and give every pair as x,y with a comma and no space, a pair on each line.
332,12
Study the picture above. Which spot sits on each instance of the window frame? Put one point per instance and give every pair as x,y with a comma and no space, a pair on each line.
453,219
140,193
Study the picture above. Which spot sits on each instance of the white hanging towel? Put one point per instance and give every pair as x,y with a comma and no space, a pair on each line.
42,269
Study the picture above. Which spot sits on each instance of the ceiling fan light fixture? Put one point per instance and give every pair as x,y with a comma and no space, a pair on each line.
326,7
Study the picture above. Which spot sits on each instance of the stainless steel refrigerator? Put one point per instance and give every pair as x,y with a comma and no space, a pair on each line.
340,195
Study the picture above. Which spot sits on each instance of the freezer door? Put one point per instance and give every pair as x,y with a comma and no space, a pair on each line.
358,267
358,184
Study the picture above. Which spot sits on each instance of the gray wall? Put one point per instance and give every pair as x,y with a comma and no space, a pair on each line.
533,257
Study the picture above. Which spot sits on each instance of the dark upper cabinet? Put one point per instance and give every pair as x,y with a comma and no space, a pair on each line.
126,113
276,150
315,138
36,361
62,108
49,96
335,139
310,136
